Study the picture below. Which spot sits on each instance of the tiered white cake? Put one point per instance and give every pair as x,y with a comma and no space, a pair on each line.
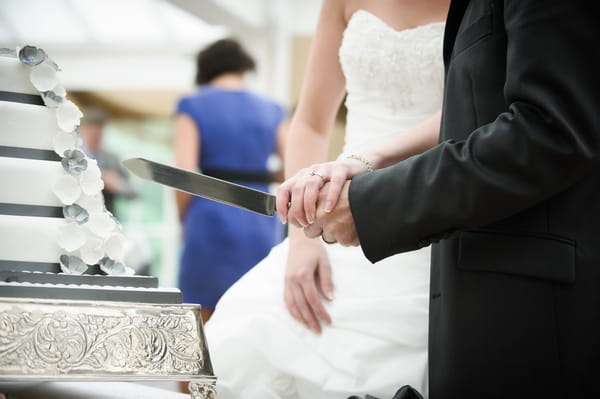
51,205
69,307
52,214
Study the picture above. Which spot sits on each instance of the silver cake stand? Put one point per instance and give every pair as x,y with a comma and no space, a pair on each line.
103,340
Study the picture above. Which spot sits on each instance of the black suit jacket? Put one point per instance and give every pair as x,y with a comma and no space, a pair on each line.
511,200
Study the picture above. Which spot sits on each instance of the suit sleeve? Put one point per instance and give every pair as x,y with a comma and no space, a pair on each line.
547,139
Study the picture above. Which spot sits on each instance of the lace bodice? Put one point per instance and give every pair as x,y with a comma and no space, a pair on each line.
393,78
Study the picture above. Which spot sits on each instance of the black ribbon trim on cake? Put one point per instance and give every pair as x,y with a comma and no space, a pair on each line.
248,177
31,210
25,98
46,267
28,153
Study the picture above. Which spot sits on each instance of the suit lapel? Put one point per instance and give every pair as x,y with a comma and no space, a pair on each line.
455,15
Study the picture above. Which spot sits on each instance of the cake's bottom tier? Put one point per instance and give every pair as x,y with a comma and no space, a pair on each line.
30,240
97,279
86,292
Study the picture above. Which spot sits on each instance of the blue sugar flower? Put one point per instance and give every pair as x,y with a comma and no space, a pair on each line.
72,265
74,162
75,213
32,56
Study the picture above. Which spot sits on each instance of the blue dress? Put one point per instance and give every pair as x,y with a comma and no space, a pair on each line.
238,133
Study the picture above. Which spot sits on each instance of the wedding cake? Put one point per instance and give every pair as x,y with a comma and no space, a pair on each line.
54,227
70,309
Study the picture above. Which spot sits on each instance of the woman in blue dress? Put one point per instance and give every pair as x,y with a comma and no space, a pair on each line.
228,132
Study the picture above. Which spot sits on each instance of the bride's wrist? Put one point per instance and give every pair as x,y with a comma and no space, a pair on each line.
366,162
301,241
375,158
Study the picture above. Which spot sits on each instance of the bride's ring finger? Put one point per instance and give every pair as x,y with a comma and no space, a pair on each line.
315,173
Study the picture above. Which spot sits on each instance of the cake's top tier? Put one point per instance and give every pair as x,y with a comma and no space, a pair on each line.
26,123
45,171
15,76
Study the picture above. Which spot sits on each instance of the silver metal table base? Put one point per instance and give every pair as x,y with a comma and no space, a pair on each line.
75,340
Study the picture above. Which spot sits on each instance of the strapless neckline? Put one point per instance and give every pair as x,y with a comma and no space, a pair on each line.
415,29
393,78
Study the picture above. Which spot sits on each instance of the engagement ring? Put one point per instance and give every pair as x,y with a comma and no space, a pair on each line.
314,173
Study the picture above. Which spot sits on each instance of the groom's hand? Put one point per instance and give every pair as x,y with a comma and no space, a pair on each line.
337,225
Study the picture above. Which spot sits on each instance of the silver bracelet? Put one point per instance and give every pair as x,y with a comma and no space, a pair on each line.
362,159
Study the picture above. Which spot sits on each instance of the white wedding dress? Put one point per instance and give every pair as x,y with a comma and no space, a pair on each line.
378,339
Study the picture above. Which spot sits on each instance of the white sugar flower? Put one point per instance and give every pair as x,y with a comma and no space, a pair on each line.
64,141
43,77
68,116
91,179
71,237
92,203
115,247
67,189
92,251
60,91
101,224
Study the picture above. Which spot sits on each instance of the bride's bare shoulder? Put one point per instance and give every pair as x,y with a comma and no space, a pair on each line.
351,6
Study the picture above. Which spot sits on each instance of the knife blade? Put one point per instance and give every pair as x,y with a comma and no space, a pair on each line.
203,186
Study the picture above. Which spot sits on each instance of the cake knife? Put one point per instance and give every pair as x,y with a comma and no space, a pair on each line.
203,186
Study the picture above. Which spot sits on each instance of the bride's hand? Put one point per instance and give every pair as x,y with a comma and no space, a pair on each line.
297,196
307,282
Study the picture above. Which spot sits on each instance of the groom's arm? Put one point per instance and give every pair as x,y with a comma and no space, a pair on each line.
547,140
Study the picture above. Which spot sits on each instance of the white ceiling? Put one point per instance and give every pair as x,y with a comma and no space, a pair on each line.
150,44
100,23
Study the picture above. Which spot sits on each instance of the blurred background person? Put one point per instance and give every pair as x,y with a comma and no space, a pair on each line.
114,175
227,132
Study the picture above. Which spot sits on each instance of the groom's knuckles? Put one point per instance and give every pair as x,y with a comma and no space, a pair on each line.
313,230
346,235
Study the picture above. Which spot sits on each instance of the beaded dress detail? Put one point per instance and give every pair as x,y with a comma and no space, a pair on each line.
378,338
393,78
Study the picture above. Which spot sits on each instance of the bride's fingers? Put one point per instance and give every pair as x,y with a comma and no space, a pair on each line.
311,294
296,215
325,280
284,198
306,313
336,183
325,284
290,303
311,195
282,201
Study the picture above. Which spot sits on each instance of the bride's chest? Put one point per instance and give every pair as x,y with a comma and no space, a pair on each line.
378,60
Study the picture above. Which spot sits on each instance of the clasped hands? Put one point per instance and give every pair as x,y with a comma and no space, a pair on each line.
318,203
316,199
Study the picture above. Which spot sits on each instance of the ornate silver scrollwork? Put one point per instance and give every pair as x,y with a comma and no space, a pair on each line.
202,390
54,340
